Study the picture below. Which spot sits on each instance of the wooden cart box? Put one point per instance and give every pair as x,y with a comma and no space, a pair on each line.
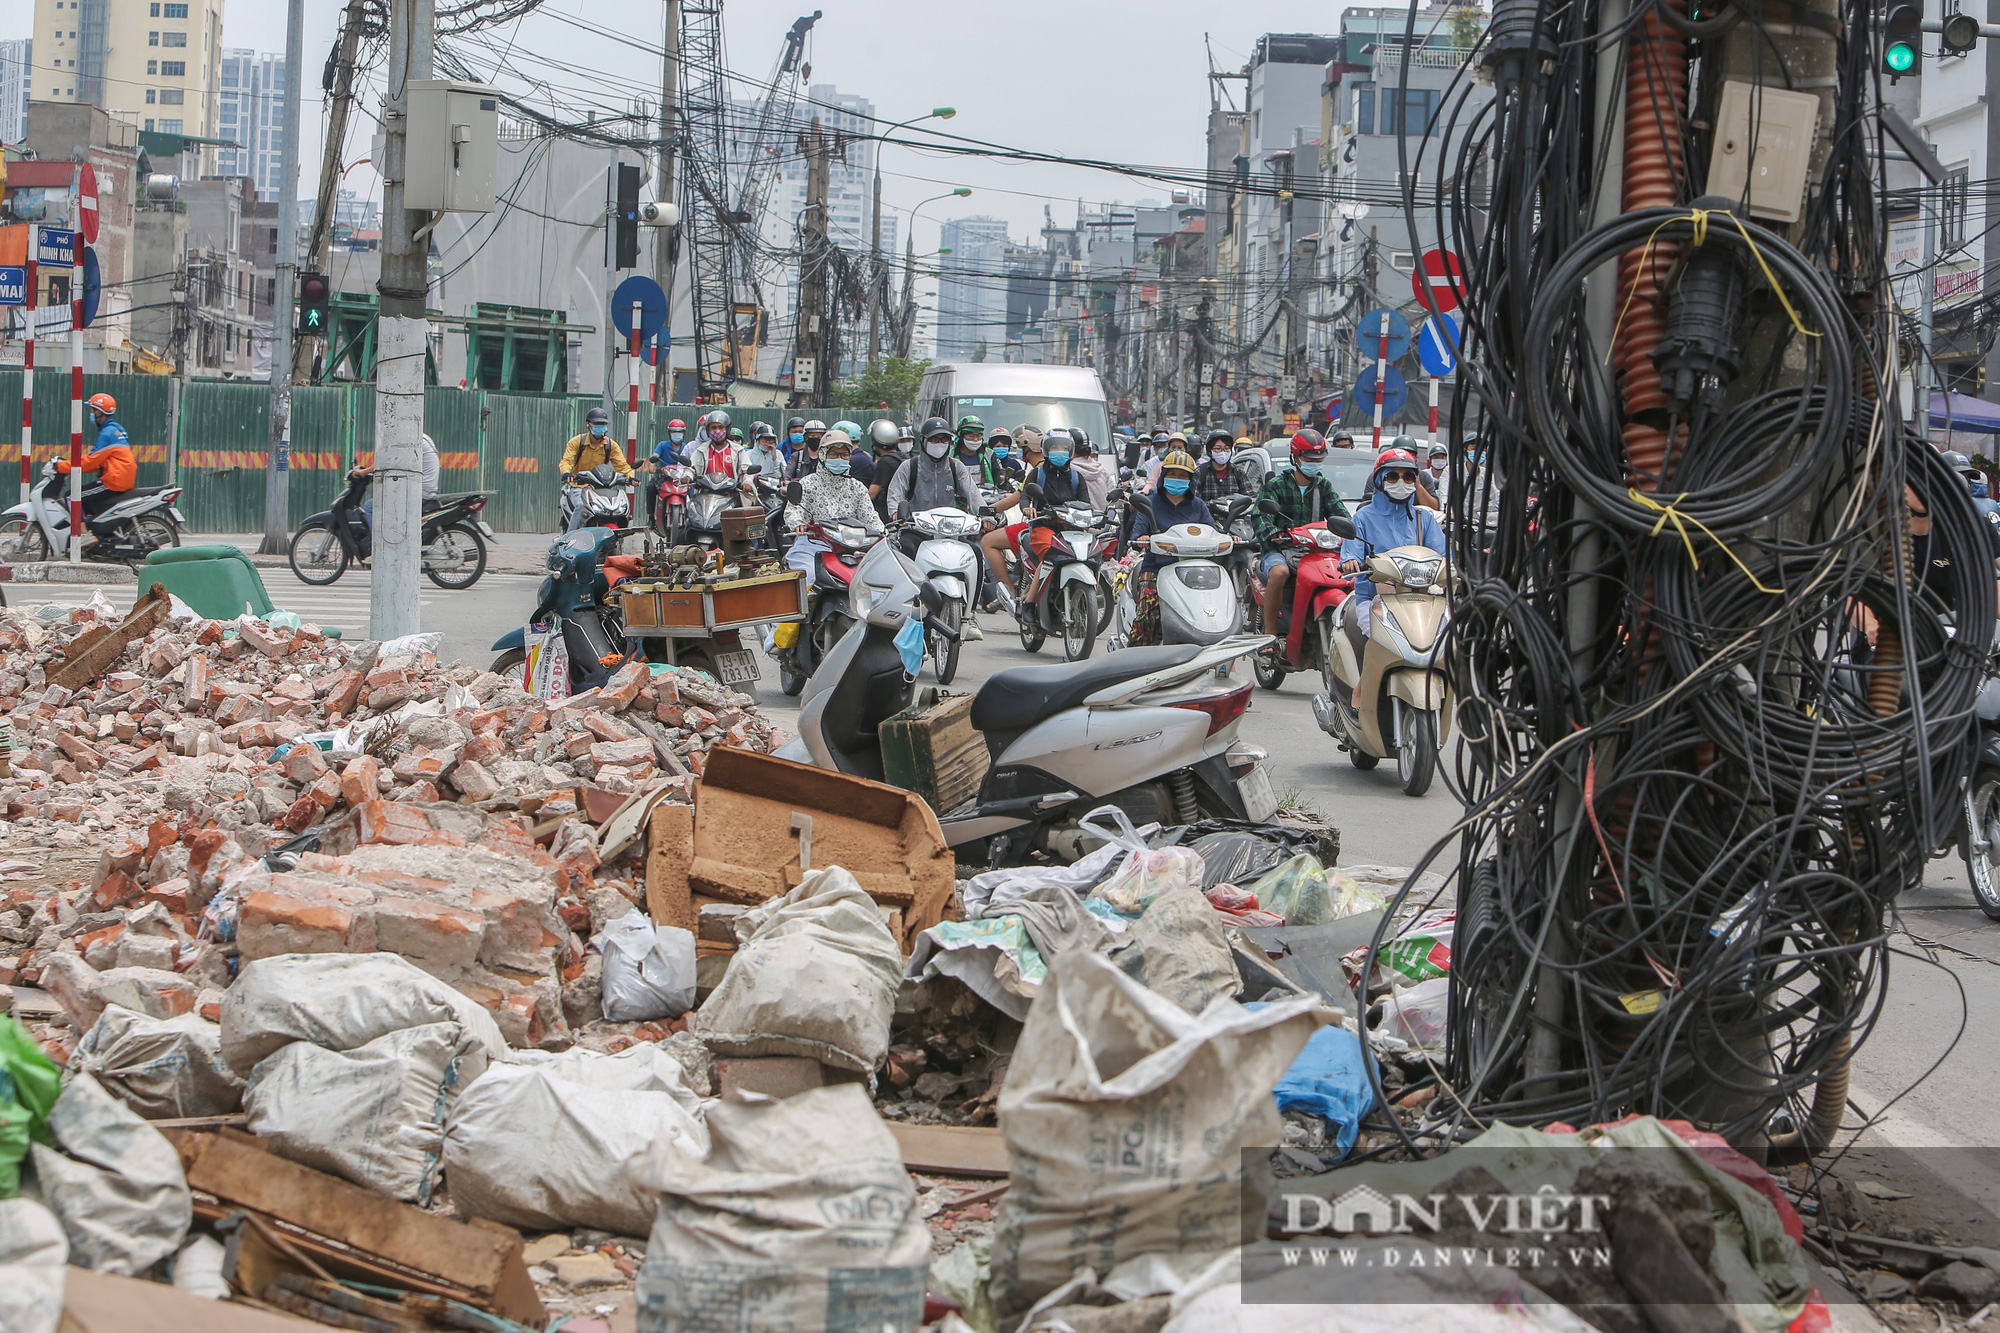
930,748
656,609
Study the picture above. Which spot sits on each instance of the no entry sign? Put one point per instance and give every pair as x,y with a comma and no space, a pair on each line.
1437,281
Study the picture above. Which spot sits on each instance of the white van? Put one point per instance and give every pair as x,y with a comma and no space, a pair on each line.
1012,395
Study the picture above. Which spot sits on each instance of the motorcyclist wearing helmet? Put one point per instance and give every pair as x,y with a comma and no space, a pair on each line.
1302,496
1390,518
1981,499
863,460
1172,503
670,450
110,457
795,435
1425,496
1097,476
595,446
933,478
890,455
765,452
715,454
828,495
1221,476
1062,483
805,459
1342,438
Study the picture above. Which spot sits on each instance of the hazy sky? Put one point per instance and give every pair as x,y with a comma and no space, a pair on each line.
1112,81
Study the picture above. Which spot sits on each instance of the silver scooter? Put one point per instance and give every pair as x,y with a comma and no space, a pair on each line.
1198,602
948,558
1150,730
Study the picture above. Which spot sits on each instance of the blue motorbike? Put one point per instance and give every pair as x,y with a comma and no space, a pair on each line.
576,596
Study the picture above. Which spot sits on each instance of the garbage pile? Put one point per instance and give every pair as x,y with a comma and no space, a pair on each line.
393,997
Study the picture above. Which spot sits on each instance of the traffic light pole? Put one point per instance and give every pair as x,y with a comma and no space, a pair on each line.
277,470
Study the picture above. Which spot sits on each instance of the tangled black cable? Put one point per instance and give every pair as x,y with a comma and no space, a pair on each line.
1715,715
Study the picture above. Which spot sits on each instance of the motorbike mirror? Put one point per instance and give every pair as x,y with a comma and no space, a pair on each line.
792,493
1032,490
1271,507
752,469
1338,526
985,511
932,599
1126,474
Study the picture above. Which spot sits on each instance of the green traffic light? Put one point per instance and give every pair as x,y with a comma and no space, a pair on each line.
1901,57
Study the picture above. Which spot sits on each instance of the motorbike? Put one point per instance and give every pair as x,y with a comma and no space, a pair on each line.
1149,730
1305,635
1980,844
143,522
1061,592
575,596
707,498
803,646
948,558
1198,602
453,533
1406,701
596,498
670,503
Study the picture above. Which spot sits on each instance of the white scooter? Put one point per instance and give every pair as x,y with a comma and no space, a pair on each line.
948,559
596,499
1198,602
1149,730
127,532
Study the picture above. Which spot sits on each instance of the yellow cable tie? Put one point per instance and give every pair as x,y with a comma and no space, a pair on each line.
1697,220
1670,513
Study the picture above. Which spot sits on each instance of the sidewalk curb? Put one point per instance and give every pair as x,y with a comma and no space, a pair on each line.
61,571
492,566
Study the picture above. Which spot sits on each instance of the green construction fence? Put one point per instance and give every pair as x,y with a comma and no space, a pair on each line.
506,444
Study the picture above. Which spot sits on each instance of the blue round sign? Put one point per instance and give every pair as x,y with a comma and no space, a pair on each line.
643,292
1437,345
1394,391
93,285
1373,325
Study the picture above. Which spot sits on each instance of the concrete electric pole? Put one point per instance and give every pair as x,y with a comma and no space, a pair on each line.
402,340
664,238
277,467
808,362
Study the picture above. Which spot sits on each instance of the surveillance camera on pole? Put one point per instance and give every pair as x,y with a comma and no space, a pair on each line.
654,214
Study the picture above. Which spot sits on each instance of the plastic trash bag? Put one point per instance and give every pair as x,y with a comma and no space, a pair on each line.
544,1146
1237,858
1146,872
34,1257
113,1181
1239,907
802,1218
412,643
993,955
991,891
198,1269
1297,891
816,975
30,1082
1330,1080
339,1001
1417,1013
547,673
648,969
1186,1094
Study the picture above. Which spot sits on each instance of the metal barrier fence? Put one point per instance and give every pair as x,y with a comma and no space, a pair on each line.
509,444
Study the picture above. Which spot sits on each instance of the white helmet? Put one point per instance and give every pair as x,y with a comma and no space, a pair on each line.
883,432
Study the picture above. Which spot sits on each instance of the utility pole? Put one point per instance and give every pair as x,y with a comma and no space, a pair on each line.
809,370
403,339
1295,332
278,464
330,165
664,238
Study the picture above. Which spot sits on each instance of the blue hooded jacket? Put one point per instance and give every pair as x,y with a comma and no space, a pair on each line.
1384,524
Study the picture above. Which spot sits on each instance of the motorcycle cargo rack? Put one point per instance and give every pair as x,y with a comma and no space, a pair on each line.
656,609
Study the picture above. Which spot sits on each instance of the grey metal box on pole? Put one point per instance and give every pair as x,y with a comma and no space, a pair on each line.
452,146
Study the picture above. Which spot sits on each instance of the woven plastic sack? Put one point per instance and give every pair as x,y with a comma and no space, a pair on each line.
160,1067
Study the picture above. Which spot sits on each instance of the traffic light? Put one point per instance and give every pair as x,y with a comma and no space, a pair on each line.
626,232
1902,27
315,295
1959,34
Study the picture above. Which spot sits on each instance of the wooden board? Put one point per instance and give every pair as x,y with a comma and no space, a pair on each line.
480,1256
932,749
92,652
951,1150
101,1303
669,848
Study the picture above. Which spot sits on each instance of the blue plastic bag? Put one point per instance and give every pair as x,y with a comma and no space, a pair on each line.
1330,1081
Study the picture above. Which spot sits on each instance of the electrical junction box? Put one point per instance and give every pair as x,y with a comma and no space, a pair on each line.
1763,141
452,147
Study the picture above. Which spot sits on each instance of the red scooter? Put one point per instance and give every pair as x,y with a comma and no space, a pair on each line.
829,612
1318,587
670,505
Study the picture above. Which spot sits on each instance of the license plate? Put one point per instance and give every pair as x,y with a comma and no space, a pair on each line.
741,668
1259,801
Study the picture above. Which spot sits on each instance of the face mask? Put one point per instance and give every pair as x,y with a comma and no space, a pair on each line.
719,440
1311,469
798,438
1174,486
936,448
673,437
1001,451
910,645
1399,490
1979,490
598,432
1222,457
903,446
1059,457
838,466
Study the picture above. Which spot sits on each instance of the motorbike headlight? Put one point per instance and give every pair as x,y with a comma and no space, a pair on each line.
1418,573
1326,541
862,595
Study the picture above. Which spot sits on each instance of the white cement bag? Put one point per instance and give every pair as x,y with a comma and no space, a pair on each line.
160,1067
1126,1121
116,1184
646,1067
34,1264
374,1115
340,1001
816,975
801,1218
529,1147
648,969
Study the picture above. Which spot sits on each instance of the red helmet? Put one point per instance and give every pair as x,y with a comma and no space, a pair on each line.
677,424
1395,458
1308,441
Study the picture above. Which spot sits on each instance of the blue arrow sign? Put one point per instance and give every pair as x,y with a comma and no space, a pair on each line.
1369,336
1394,390
55,245
1437,345
93,286
643,291
14,284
